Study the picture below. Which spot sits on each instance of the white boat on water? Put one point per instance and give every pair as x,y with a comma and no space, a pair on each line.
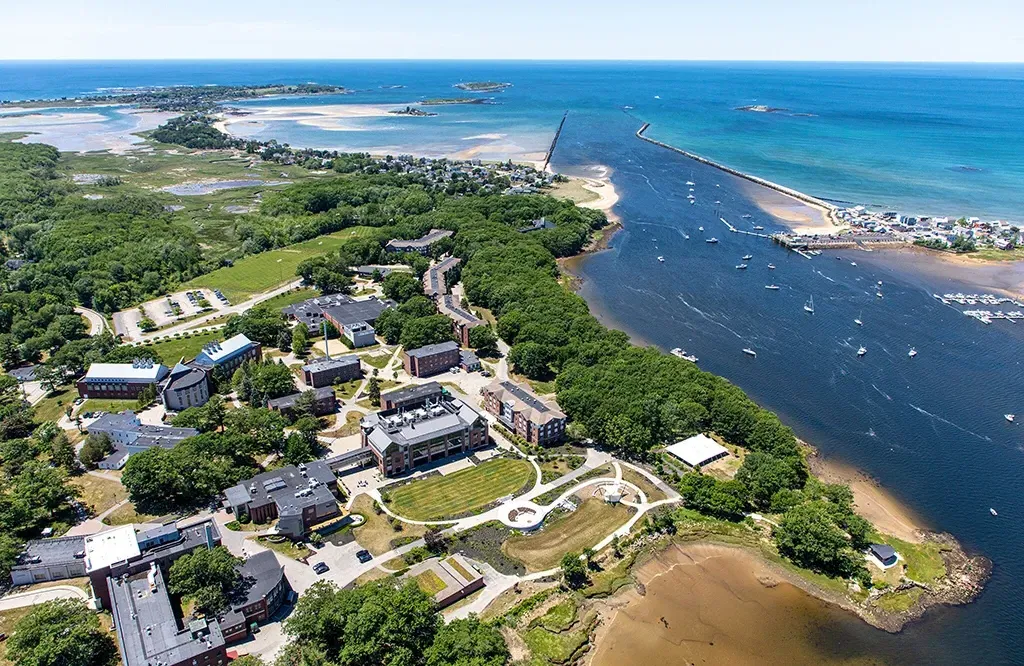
711,240
746,216
700,228
858,322
758,227
686,236
750,352
878,293
879,283
771,267
809,305
748,257
773,287
853,263
912,353
741,267
680,353
693,201
1009,417
992,511
661,259
717,202
690,183
690,196
862,351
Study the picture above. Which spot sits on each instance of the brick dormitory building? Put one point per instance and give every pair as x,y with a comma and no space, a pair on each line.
522,412
298,496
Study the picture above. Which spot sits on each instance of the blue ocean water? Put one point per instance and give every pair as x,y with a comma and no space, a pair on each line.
942,139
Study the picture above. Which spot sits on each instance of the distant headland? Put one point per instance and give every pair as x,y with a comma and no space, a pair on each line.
482,86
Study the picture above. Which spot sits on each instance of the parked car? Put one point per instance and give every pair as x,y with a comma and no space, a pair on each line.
321,568
485,373
364,556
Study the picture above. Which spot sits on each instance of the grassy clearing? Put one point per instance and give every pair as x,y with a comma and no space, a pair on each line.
573,190
347,391
430,583
99,493
642,482
992,254
553,469
53,406
290,298
559,617
261,272
288,548
350,427
8,619
899,602
568,533
126,514
172,350
461,492
379,361
377,534
105,405
923,560
555,648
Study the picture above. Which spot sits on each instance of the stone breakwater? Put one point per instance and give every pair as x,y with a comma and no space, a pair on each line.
829,209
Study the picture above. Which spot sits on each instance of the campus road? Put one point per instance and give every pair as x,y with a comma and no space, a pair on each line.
97,324
42,596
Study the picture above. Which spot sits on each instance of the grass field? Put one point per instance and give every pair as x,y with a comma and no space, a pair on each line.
174,349
573,190
288,548
127,514
376,534
923,560
104,405
569,533
557,467
99,493
461,492
290,298
261,272
52,407
642,482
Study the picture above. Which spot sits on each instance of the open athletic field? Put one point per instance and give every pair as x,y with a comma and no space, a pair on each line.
467,490
262,272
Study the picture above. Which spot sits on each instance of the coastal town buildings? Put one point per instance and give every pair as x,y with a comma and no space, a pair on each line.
523,413
462,320
121,381
407,437
297,496
431,359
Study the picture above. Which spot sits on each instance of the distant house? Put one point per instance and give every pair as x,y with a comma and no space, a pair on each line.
525,414
129,436
325,402
299,497
421,245
230,354
468,361
431,359
121,381
324,371
537,225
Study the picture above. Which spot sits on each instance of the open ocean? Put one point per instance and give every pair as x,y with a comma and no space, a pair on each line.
929,139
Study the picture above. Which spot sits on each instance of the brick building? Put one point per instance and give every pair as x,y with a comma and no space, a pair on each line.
431,359
522,412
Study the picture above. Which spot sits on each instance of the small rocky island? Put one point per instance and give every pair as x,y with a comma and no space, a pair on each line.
412,111
482,86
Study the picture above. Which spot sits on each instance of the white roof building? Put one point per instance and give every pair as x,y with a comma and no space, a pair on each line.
218,353
698,450
106,548
139,371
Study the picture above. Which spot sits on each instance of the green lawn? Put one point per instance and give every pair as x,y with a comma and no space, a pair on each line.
378,361
567,533
261,272
461,492
430,583
52,407
290,298
172,350
923,560
106,405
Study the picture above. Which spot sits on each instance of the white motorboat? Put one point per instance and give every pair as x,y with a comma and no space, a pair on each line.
912,353
862,351
773,287
771,267
661,259
1009,417
741,267
711,240
748,257
700,228
680,353
750,352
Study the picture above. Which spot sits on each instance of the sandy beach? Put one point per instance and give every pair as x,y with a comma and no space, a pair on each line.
86,132
800,217
714,604
332,117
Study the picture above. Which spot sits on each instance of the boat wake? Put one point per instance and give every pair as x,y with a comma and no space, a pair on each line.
708,317
823,275
950,423
883,393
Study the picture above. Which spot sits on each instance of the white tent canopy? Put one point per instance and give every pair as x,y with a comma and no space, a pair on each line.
698,450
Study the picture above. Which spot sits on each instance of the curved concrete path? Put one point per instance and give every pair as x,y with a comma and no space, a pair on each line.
36,597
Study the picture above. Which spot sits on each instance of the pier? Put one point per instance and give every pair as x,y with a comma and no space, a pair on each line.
554,142
741,231
830,210
840,242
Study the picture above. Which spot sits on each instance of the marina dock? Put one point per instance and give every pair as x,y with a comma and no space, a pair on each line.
741,231
984,316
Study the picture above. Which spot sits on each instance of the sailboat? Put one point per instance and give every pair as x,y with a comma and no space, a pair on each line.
858,321
912,353
809,305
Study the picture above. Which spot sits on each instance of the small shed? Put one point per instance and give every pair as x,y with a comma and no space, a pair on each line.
884,553
698,450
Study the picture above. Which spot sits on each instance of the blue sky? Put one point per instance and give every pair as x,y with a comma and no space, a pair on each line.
822,30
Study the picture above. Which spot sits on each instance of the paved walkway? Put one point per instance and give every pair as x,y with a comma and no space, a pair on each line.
97,322
41,596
